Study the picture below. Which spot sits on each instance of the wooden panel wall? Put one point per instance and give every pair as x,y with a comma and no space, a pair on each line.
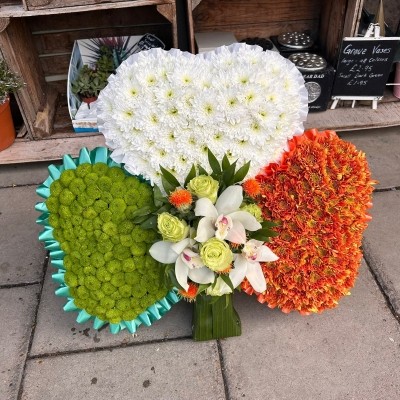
261,18
54,35
43,4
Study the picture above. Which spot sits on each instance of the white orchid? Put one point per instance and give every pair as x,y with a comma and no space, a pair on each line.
224,220
188,263
246,265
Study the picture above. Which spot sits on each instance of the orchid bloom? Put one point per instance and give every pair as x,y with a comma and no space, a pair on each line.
188,263
224,220
246,265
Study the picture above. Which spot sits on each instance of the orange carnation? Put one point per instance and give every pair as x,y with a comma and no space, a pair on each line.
181,199
320,194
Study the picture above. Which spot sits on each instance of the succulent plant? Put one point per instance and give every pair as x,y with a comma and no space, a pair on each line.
10,82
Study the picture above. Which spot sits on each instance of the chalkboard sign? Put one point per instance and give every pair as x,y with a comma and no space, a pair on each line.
363,67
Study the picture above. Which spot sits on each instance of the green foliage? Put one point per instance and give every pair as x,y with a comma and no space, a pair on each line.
9,81
89,82
108,270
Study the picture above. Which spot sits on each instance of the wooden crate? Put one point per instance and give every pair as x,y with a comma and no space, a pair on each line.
45,4
37,45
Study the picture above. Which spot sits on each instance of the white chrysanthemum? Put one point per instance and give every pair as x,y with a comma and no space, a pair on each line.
168,107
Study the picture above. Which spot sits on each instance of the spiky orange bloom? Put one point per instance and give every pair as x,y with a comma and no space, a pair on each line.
181,199
191,293
251,187
320,193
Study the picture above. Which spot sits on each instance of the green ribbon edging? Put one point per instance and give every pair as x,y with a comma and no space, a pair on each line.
152,313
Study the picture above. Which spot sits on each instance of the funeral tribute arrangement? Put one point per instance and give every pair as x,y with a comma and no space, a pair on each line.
209,185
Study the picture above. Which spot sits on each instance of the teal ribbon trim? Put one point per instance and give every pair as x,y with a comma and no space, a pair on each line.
152,313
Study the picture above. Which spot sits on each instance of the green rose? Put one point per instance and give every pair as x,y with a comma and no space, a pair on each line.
172,228
216,254
204,186
254,210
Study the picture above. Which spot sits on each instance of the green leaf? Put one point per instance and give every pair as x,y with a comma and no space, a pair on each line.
225,163
214,163
159,198
202,171
164,208
166,185
149,223
269,224
202,288
227,280
146,210
241,173
191,175
263,234
228,174
169,177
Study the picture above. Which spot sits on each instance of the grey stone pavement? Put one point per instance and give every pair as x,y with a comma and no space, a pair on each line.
351,352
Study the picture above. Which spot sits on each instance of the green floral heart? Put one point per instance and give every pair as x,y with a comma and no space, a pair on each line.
106,270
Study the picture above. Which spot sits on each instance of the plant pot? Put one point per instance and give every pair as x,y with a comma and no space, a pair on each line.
89,100
7,130
215,318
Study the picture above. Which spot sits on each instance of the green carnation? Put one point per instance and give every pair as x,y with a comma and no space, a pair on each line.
84,200
52,204
110,229
83,169
254,210
93,191
118,206
56,188
104,183
100,168
103,275
100,205
216,254
204,186
64,212
77,186
118,189
114,266
172,228
54,221
128,265
66,177
108,288
129,211
106,215
138,249
116,174
90,178
89,213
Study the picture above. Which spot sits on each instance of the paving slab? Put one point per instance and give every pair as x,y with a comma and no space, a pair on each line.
163,371
382,149
58,331
351,352
381,243
17,311
22,255
24,174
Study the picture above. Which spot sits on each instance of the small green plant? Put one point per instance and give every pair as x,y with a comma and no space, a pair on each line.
89,82
9,81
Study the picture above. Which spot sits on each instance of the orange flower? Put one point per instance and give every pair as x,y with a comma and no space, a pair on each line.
181,199
191,293
319,194
251,187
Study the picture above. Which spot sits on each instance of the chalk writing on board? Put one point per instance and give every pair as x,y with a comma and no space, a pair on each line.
364,66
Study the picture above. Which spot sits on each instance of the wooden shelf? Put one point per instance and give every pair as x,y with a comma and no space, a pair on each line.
17,11
65,141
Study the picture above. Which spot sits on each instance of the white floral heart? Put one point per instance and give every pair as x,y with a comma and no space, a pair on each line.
167,107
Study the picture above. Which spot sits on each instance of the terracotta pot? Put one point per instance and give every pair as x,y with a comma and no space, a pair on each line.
7,130
89,100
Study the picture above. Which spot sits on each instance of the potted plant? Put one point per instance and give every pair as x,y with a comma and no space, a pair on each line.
9,83
89,83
